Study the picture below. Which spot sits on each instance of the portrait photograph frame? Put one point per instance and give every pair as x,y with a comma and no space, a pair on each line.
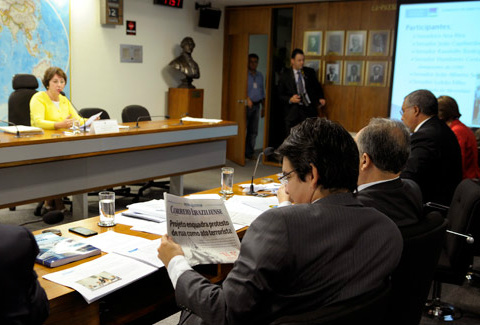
371,73
315,47
334,42
337,65
356,42
379,42
347,73
315,65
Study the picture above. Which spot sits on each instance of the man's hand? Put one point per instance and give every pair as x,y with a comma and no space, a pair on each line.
295,99
322,102
249,102
168,249
282,195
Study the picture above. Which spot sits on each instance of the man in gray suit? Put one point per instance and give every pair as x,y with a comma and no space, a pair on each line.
384,147
325,248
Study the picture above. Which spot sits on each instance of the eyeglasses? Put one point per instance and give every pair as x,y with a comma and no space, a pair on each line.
284,179
402,111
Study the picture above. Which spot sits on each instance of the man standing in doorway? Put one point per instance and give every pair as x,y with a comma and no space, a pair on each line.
300,92
255,98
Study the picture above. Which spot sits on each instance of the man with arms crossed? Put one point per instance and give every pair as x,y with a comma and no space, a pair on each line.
384,147
325,248
435,162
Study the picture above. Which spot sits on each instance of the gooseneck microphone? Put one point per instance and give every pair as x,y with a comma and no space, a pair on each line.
469,239
148,116
13,124
267,152
182,116
78,112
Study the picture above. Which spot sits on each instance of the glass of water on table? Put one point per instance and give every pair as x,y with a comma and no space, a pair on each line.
227,181
106,205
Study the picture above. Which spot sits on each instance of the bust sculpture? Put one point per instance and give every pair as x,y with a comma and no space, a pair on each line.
185,64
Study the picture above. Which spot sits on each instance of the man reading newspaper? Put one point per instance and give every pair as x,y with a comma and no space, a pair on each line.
325,248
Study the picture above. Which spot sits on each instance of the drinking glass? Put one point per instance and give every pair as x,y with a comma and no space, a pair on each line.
106,205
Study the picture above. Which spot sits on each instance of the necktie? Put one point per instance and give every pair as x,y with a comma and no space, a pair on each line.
300,88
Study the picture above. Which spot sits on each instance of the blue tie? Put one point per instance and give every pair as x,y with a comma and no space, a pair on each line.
300,88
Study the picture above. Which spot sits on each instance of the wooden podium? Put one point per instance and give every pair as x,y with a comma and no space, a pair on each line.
185,100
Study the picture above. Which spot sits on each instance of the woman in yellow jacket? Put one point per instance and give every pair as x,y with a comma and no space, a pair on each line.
49,109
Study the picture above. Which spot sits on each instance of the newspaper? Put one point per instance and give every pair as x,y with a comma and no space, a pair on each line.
203,228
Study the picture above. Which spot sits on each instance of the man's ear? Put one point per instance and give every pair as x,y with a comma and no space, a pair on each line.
365,161
315,175
416,110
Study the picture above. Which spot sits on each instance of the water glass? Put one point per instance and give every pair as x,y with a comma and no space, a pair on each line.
227,181
76,127
106,205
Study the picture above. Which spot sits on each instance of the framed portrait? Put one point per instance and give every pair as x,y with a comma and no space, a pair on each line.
333,73
312,43
379,42
315,65
334,42
353,73
377,73
356,42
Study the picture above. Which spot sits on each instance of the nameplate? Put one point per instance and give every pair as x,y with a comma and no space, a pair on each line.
104,126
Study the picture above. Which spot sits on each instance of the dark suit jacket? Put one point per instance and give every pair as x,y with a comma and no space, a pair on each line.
22,299
295,259
399,199
287,87
435,161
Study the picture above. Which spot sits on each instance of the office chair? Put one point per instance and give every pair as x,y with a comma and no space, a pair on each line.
411,280
88,112
25,86
458,251
368,308
131,113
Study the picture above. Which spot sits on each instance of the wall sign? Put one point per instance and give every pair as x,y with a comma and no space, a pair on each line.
111,12
169,3
131,27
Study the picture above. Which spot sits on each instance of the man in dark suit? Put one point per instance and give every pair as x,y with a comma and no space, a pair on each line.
435,161
23,300
298,258
300,92
384,147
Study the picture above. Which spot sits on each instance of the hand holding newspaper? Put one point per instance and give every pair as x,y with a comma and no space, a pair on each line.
203,228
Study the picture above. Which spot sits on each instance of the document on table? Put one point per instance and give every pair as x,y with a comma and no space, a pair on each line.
145,252
244,209
97,278
110,241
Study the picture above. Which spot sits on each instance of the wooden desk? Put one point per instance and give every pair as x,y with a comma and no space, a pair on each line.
147,300
51,165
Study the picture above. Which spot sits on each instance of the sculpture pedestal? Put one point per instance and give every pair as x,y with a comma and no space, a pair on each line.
184,100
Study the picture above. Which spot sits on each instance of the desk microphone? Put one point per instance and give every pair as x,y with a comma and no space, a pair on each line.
267,152
469,239
11,123
50,218
148,116
79,114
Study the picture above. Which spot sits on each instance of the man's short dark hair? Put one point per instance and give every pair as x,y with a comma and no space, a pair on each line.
295,52
326,145
425,100
387,143
448,108
253,56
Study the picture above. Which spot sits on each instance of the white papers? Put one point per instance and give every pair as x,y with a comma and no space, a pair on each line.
21,129
97,278
110,241
153,210
92,118
269,187
197,119
145,252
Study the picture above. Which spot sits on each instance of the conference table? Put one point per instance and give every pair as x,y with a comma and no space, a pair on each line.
53,164
145,301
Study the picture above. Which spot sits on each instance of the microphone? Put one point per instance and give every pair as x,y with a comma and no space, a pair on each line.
78,112
182,116
148,116
11,123
470,239
50,218
267,152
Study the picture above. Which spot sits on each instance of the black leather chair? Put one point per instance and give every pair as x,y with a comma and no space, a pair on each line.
88,112
25,86
411,280
369,308
134,113
458,251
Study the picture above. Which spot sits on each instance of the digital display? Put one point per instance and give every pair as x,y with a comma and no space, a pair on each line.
169,3
438,48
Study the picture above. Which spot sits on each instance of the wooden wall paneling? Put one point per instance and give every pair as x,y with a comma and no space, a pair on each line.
309,17
253,20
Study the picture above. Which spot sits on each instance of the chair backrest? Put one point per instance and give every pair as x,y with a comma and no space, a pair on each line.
88,112
464,217
25,86
411,280
368,308
132,112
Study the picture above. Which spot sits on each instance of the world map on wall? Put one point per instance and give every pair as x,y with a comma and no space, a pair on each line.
34,35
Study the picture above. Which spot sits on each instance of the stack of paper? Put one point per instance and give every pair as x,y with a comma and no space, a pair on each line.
153,210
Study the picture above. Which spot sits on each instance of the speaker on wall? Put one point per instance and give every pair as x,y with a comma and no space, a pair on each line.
209,18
